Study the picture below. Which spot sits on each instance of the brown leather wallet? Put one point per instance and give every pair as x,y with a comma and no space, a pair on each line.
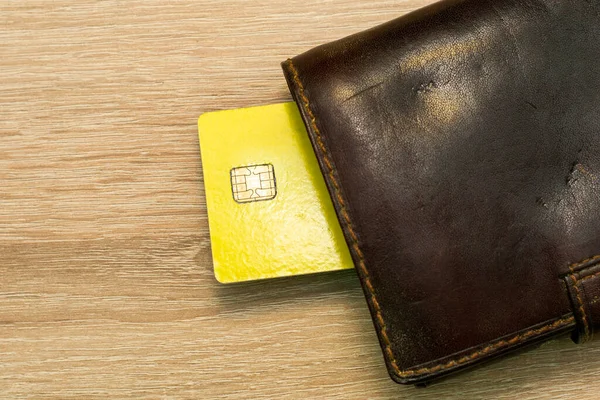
461,147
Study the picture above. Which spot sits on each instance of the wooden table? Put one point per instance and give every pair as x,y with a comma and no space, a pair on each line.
106,285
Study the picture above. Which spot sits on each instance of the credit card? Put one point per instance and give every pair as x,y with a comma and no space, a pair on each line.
269,211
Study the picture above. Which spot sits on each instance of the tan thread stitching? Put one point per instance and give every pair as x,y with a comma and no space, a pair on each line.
597,274
579,264
586,326
574,277
344,213
379,317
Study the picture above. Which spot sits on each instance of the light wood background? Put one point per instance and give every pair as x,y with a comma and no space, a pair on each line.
106,286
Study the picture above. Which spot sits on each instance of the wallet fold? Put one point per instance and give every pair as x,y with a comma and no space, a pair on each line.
460,145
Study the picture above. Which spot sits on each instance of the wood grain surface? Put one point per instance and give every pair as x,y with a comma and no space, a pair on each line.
106,284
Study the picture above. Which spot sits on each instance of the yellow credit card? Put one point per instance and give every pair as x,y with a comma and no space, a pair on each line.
269,211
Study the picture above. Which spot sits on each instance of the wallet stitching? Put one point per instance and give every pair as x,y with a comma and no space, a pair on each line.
597,274
367,281
577,282
586,326
344,212
582,263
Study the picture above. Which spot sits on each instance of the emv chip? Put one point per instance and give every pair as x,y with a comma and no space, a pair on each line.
253,183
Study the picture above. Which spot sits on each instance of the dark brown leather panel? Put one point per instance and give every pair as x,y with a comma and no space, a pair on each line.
460,145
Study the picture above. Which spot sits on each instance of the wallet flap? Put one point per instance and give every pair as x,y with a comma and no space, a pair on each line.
460,147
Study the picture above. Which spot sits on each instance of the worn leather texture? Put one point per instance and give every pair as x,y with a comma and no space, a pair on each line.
460,144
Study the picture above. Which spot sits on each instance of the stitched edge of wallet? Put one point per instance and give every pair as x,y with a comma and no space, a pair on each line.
575,272
583,263
489,349
581,306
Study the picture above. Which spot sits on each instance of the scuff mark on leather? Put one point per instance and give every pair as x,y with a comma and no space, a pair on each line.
368,88
585,171
531,104
541,202
578,170
571,179
425,87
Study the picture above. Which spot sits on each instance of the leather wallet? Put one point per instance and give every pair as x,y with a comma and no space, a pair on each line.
460,145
